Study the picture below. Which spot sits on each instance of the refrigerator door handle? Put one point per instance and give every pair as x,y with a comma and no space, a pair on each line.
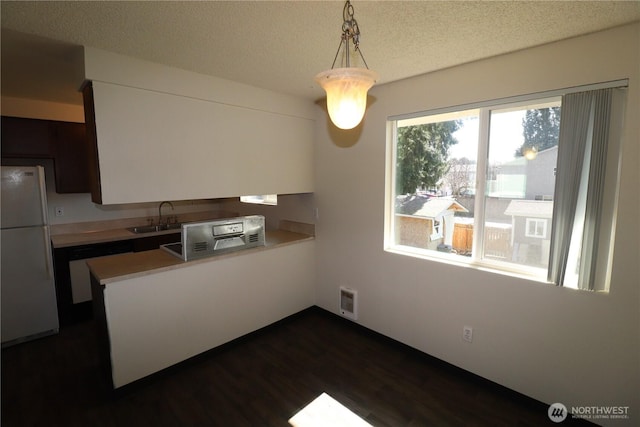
43,198
47,252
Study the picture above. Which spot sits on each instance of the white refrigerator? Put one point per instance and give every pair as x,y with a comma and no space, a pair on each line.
27,287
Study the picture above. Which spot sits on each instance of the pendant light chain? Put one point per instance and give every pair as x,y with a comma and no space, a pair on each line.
347,87
350,30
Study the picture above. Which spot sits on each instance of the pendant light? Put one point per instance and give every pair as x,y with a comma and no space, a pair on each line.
347,86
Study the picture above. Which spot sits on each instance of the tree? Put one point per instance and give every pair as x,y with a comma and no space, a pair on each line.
540,129
459,176
423,151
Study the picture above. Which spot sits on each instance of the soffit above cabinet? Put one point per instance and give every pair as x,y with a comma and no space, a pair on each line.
109,67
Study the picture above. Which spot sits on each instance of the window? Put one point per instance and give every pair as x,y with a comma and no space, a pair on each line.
478,186
437,230
265,199
536,228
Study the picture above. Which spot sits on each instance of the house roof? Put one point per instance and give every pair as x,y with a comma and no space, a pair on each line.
531,208
409,204
430,207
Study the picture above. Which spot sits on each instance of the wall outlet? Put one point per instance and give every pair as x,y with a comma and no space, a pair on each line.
467,333
59,211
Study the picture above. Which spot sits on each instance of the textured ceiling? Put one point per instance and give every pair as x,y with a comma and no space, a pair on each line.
279,45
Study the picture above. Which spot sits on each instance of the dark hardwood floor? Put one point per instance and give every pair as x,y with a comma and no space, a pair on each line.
259,380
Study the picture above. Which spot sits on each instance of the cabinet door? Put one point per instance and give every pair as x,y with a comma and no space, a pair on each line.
65,142
71,151
28,138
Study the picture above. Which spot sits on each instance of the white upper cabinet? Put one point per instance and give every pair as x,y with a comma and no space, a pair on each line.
168,134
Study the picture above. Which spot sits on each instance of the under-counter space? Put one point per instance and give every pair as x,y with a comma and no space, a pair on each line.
130,265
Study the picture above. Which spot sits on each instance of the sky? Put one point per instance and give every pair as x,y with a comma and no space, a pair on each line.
506,137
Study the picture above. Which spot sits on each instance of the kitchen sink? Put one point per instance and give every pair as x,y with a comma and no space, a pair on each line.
154,228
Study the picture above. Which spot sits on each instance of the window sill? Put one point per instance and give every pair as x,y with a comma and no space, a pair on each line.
533,274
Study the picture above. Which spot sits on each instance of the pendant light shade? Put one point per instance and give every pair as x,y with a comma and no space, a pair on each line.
347,87
346,94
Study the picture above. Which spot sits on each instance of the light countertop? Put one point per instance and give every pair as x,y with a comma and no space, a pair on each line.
126,266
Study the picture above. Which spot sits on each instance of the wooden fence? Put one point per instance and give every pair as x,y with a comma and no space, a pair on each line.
497,241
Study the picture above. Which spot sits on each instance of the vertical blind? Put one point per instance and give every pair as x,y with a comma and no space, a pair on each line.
579,188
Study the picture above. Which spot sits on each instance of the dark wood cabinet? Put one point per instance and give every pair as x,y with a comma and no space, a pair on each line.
71,156
26,138
64,142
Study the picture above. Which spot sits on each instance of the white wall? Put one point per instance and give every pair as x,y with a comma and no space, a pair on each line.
553,344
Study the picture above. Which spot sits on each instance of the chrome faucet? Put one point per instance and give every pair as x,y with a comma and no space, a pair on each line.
160,211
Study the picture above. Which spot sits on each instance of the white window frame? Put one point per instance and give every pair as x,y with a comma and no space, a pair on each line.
484,108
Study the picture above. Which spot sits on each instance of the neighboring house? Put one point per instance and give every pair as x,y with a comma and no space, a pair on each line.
517,212
424,222
531,236
527,179
519,178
